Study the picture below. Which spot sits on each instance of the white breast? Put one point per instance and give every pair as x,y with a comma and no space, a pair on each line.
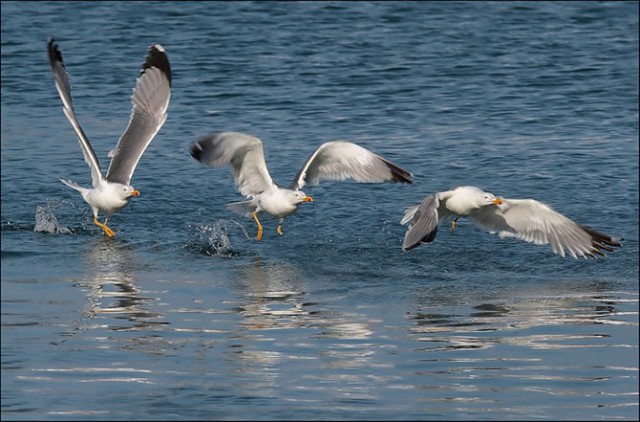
278,202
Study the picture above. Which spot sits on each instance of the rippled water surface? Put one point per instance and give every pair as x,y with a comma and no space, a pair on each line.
184,315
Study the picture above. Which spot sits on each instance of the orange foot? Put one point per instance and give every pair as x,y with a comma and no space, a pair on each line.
104,227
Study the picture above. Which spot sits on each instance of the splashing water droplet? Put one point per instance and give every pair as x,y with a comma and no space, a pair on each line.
46,220
214,238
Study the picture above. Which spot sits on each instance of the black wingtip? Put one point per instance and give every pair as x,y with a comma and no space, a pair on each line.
398,174
415,245
157,58
601,242
428,238
196,151
54,52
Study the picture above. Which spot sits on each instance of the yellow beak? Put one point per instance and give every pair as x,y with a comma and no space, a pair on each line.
308,199
135,193
498,201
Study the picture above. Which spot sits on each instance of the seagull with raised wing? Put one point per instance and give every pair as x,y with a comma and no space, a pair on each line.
525,219
337,160
150,100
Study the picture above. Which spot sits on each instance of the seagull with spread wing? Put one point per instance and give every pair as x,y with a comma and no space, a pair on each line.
150,100
525,219
337,160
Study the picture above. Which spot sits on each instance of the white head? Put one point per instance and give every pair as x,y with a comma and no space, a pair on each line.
487,198
129,191
299,197
124,192
467,198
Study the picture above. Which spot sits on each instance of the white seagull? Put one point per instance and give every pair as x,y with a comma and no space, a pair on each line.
150,100
525,219
337,160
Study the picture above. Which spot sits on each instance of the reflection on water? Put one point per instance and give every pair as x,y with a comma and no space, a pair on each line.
271,295
262,331
539,344
273,341
521,315
112,291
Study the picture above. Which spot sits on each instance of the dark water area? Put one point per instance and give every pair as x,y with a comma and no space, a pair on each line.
184,315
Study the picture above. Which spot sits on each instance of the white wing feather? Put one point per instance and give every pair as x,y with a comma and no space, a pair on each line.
61,79
535,222
342,160
243,152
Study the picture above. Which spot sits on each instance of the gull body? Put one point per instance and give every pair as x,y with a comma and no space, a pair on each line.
337,160
281,202
150,100
525,219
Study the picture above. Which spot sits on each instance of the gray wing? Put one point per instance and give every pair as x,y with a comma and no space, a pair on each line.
150,101
535,222
424,222
61,79
243,152
342,160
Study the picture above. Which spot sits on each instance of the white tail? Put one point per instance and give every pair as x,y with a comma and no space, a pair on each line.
73,185
245,208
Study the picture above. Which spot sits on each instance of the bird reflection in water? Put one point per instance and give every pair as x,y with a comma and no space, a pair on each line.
272,294
273,298
515,316
112,292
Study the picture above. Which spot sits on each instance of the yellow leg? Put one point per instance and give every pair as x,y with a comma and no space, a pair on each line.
255,217
279,229
453,225
106,229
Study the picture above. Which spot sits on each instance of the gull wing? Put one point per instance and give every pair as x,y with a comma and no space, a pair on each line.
61,79
342,160
536,222
424,220
243,152
150,101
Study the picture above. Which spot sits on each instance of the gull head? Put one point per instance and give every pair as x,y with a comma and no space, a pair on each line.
125,192
299,197
490,199
129,191
468,198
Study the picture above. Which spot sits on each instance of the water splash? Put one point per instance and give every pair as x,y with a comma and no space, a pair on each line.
46,220
213,239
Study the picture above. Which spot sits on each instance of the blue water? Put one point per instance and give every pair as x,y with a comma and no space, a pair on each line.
184,315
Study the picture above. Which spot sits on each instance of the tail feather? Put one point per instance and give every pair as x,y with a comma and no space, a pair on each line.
73,185
245,208
409,213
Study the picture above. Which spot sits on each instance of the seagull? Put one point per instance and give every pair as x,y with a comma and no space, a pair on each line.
150,100
525,219
337,160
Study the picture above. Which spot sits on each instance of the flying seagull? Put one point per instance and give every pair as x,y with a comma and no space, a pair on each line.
150,100
525,219
337,160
